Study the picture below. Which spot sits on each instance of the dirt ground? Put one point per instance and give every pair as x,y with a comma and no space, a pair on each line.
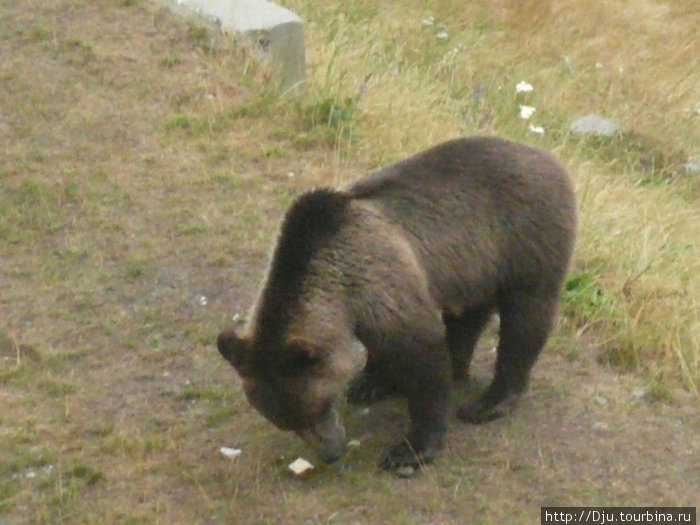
135,218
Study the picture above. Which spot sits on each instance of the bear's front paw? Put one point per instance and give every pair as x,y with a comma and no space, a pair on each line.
486,408
366,389
402,460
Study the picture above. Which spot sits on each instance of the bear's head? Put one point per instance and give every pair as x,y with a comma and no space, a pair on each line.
296,386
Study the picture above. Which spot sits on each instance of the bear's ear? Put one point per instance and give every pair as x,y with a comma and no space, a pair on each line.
303,352
233,348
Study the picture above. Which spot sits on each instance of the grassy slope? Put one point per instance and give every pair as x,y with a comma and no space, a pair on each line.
142,172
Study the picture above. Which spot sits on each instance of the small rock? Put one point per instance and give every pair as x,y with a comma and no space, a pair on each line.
354,443
203,300
442,35
639,392
536,129
693,164
291,174
599,425
429,21
595,125
478,94
300,466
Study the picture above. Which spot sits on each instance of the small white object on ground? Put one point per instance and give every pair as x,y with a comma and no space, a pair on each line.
299,466
523,87
230,452
405,472
354,443
442,35
536,129
526,111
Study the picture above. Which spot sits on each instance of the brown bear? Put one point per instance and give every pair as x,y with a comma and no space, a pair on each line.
387,285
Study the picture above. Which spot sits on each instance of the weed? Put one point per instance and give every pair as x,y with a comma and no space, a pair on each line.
170,62
86,474
178,122
584,297
41,34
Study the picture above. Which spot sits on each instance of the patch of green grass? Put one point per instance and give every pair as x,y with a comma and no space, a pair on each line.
170,62
56,388
225,415
41,34
134,271
659,390
202,36
86,474
197,394
584,297
178,122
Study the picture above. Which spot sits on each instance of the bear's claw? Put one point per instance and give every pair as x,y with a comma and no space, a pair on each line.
400,457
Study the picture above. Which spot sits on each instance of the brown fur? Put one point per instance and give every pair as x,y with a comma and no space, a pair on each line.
409,264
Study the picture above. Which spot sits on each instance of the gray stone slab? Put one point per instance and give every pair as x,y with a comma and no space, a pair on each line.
595,125
277,30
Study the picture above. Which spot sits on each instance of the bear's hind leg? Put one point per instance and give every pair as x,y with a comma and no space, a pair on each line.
463,332
526,321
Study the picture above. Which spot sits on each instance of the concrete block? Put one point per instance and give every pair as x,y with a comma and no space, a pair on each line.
277,31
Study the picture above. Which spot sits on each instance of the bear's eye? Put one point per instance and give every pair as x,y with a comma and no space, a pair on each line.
276,403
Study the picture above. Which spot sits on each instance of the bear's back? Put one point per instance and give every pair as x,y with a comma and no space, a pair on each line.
481,213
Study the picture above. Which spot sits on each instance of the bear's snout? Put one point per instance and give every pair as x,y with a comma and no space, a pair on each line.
326,437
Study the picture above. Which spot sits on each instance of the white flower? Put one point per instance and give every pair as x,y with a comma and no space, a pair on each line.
442,35
523,87
526,111
536,129
428,21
